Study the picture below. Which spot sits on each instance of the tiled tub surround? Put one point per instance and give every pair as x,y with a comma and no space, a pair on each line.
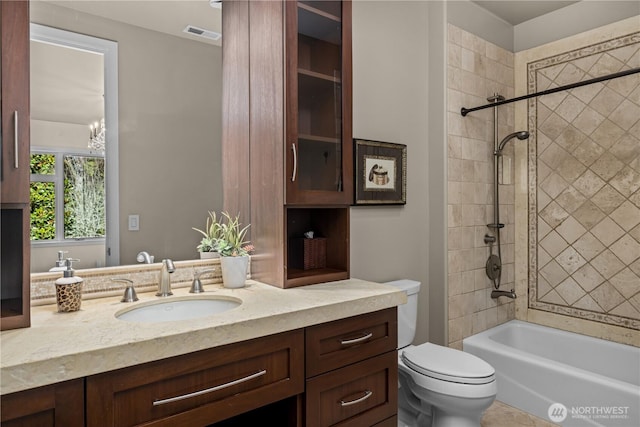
476,70
62,346
584,185
98,283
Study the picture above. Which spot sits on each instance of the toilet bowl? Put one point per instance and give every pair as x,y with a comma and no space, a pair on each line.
438,386
456,387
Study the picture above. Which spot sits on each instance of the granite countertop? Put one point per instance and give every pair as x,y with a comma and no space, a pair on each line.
64,346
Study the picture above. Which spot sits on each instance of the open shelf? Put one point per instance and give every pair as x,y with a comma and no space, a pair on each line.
14,295
330,223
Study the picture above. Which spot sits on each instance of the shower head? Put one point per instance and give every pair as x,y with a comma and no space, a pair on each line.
523,134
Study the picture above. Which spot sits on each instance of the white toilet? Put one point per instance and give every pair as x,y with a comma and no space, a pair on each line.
438,386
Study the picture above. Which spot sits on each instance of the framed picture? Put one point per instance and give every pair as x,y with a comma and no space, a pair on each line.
381,173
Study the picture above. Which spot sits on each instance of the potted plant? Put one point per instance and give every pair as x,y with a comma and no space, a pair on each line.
234,251
208,246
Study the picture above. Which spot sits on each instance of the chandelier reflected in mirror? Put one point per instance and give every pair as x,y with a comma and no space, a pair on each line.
97,136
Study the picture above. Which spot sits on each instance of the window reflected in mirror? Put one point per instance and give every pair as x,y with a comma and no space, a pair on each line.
70,187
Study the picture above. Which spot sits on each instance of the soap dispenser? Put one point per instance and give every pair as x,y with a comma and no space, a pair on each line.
69,289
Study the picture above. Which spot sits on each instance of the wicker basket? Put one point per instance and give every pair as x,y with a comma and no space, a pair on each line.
314,252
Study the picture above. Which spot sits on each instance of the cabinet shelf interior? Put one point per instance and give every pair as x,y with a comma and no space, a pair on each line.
321,76
318,138
319,25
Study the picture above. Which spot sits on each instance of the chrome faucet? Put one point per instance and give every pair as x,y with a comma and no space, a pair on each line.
196,285
497,293
145,257
164,280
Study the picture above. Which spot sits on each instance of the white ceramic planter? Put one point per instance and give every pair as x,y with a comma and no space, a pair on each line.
209,255
234,270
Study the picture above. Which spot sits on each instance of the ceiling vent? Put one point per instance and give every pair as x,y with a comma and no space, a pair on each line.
195,31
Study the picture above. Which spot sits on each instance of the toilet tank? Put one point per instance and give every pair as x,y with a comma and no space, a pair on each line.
407,313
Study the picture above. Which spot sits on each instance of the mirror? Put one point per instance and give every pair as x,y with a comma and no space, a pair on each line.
168,127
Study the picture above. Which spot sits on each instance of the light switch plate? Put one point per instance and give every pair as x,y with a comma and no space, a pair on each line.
134,222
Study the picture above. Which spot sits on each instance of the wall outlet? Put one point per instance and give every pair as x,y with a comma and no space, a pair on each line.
134,222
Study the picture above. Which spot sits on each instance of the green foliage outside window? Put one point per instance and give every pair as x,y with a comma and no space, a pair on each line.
43,164
84,197
43,198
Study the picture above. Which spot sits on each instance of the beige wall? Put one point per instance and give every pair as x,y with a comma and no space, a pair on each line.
583,254
476,68
390,104
169,141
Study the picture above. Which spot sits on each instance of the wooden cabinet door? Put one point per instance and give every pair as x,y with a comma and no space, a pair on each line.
318,131
15,101
352,371
14,168
342,342
200,388
357,395
60,405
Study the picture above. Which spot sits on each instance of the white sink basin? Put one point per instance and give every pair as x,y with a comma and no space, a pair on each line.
178,309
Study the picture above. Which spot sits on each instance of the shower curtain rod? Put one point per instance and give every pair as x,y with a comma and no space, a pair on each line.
465,111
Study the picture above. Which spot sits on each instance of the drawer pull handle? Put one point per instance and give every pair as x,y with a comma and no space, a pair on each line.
356,340
209,390
367,394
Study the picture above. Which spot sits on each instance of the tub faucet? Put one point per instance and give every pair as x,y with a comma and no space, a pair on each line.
164,280
496,293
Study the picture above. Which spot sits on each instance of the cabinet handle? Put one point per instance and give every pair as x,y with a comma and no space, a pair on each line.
367,394
356,340
15,139
295,162
209,390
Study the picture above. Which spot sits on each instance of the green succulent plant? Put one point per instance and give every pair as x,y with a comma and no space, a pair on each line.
211,234
232,237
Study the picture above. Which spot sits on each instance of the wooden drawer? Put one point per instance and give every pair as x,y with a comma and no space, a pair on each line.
358,395
336,344
200,388
59,404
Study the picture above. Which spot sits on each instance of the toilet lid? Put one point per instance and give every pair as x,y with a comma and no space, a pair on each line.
448,364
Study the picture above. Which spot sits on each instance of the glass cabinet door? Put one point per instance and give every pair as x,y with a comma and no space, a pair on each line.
318,136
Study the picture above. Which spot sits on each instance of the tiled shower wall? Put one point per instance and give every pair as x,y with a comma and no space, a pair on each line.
584,185
476,70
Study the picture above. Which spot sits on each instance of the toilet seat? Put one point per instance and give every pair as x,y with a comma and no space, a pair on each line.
448,364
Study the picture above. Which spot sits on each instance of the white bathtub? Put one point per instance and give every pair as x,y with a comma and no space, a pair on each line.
597,381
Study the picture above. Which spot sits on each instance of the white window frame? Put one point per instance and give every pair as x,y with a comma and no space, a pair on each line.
58,179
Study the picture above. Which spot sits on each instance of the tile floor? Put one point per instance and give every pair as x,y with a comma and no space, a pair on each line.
503,415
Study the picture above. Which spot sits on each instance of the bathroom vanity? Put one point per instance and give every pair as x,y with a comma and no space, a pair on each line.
318,355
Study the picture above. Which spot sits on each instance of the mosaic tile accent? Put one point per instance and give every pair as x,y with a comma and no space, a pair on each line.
584,185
